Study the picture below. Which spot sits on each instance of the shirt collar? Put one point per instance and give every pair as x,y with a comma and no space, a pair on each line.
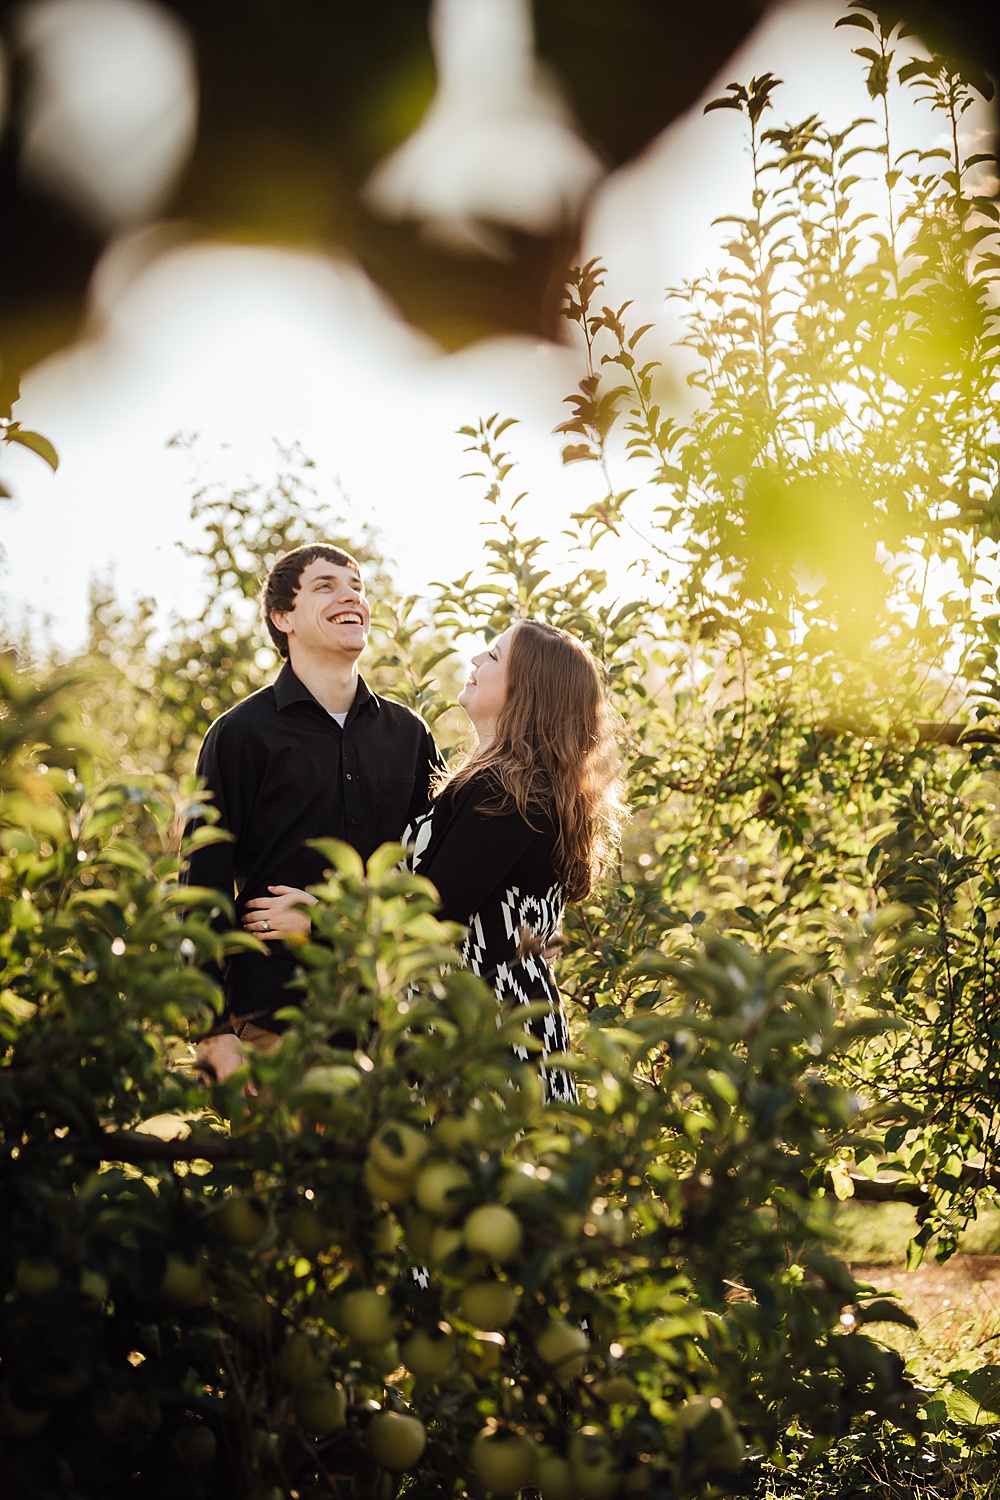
288,689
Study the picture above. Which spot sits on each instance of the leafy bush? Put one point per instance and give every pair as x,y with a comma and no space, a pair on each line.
228,1300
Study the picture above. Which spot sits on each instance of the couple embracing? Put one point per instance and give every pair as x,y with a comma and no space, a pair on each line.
520,826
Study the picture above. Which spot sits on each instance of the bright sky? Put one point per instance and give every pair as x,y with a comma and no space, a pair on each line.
247,345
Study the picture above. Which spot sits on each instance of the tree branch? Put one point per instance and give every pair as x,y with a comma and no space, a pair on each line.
137,1148
897,1190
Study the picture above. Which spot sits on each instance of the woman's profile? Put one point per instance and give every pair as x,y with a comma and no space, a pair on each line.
527,820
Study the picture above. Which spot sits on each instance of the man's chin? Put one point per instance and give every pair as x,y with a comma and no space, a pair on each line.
351,639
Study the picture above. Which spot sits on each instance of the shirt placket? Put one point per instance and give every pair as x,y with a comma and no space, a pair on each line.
349,781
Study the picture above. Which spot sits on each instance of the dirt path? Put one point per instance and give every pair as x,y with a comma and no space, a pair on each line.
957,1304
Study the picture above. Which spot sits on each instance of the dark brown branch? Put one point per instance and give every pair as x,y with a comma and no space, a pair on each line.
897,1190
929,732
137,1148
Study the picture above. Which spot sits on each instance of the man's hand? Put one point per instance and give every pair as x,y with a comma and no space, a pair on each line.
216,1057
280,914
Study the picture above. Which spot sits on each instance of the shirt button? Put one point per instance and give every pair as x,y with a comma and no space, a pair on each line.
354,822
348,775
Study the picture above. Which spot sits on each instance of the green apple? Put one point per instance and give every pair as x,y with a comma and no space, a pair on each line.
518,1183
19,1421
93,1286
184,1283
554,1477
331,1095
386,1235
503,1462
241,1222
563,1348
366,1315
296,1362
592,1464
618,1390
437,1186
453,1131
482,1357
419,1231
384,1189
693,1412
639,1481
490,1304
321,1407
254,1318
397,1149
494,1231
69,1380
108,1411
305,1227
712,1432
396,1440
445,1240
195,1446
35,1277
428,1353
382,1358
146,1412
473,1268
117,1413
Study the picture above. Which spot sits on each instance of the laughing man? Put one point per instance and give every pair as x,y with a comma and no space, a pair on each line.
315,755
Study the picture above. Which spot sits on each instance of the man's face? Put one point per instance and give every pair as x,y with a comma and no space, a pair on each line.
330,616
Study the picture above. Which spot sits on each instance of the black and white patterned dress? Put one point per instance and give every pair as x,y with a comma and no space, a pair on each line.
495,875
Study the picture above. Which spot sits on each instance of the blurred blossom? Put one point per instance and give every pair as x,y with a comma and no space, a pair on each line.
111,108
497,146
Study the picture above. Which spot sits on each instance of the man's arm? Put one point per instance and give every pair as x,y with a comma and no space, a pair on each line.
430,762
212,866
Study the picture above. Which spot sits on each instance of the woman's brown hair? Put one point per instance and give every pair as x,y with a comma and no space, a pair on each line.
555,751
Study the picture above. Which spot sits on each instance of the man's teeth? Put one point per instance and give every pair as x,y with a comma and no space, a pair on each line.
351,619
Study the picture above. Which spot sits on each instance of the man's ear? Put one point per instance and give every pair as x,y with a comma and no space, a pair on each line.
279,619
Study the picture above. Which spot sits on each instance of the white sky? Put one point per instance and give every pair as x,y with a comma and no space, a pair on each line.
247,345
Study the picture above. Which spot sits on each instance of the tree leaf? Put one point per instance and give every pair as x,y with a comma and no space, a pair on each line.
36,442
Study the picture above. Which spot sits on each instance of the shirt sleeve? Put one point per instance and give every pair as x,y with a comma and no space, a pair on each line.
430,761
476,854
219,766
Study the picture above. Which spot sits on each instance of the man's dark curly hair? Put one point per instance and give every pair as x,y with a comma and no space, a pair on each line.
282,583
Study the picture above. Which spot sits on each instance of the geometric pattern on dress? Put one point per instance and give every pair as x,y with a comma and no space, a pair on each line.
417,834
491,951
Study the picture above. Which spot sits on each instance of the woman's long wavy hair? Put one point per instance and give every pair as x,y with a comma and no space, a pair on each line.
555,754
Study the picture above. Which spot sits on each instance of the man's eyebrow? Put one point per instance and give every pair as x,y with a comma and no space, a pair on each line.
332,578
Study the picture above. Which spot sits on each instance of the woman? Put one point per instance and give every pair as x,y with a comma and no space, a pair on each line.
523,825
526,821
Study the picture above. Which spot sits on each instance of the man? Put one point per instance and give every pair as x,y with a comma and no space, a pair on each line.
314,755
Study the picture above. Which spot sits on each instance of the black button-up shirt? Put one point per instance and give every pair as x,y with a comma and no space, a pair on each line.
282,771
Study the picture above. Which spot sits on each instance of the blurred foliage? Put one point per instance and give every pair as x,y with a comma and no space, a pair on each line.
788,980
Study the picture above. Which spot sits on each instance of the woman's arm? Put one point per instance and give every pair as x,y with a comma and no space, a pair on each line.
280,914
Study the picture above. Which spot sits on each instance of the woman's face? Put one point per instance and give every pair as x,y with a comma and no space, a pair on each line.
485,692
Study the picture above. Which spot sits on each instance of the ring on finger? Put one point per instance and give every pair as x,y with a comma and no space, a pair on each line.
266,925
